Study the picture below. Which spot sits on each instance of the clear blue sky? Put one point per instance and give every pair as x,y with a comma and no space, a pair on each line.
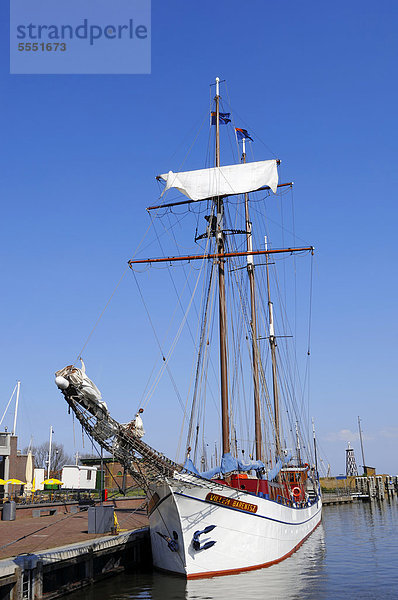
318,83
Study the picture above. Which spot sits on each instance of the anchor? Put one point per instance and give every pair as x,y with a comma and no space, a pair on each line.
172,543
196,542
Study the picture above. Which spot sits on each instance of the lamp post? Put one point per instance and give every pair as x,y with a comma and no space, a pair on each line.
49,451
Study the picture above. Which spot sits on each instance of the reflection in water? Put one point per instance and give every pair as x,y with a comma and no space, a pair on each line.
362,549
288,580
353,554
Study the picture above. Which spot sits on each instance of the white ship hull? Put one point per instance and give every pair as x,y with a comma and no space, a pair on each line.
244,539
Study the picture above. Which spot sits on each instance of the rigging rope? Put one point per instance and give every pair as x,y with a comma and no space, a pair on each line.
177,336
113,293
160,347
9,402
100,317
199,360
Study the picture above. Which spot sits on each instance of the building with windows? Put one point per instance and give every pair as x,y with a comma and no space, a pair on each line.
12,461
114,475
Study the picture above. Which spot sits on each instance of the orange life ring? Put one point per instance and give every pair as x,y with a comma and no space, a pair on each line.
296,492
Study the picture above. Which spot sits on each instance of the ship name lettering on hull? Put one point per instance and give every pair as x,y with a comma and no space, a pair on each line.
231,503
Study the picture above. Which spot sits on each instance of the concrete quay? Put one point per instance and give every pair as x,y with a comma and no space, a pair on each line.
48,556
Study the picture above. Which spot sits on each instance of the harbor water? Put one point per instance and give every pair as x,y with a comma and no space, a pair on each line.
353,554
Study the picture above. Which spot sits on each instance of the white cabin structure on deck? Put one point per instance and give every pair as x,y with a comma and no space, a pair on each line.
79,477
38,479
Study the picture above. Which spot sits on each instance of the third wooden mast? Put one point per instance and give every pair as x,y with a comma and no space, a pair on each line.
272,343
253,323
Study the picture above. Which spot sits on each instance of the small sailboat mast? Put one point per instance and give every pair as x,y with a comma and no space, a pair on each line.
253,322
315,448
14,428
221,292
298,445
360,438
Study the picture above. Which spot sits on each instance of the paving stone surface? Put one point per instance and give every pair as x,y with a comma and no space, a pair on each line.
40,533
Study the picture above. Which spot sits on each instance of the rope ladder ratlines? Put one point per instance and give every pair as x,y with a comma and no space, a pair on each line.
111,436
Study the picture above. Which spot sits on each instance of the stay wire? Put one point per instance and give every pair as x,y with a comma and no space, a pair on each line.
247,124
101,315
113,293
159,344
188,325
188,151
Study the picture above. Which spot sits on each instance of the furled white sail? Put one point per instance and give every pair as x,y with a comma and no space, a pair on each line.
222,181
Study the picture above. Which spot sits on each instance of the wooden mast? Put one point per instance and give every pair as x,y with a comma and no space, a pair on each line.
221,293
253,324
221,256
272,343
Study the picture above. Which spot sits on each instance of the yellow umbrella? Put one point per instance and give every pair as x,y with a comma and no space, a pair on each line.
15,482
2,482
53,482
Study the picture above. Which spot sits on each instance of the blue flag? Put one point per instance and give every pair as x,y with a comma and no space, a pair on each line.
224,118
242,134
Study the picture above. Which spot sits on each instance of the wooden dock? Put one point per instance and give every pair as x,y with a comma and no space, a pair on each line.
50,555
328,499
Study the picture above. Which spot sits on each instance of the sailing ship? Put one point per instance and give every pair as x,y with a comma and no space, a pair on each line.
243,513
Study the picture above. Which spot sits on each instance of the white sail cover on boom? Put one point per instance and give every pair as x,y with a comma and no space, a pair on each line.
224,181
